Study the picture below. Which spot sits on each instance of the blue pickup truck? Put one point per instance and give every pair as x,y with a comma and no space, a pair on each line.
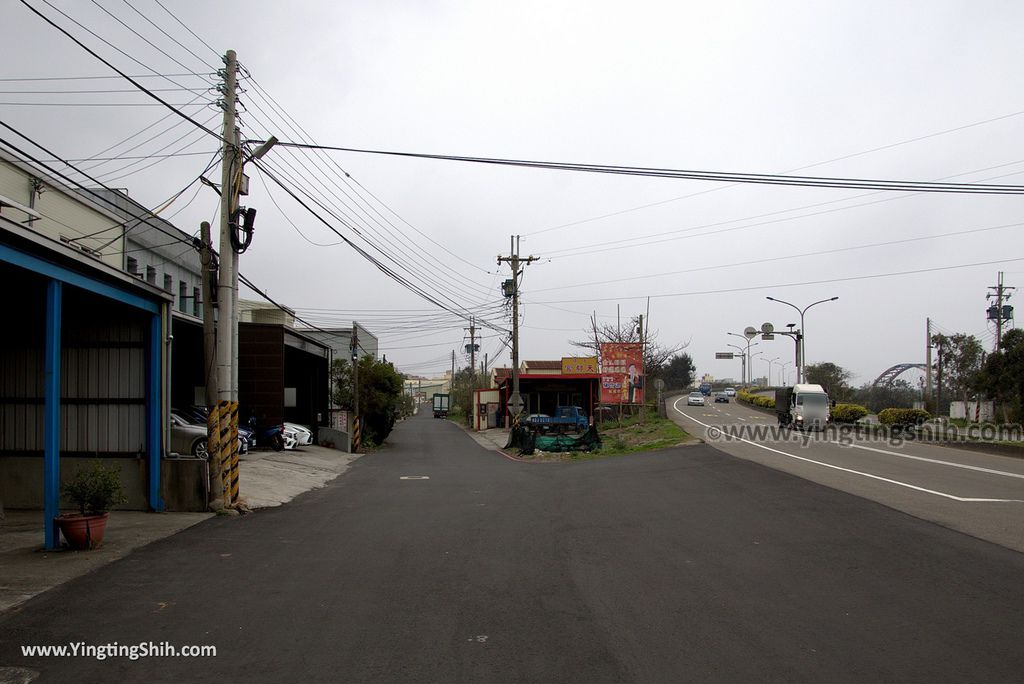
566,419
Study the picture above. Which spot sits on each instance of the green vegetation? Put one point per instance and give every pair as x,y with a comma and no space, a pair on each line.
629,436
761,400
382,398
95,488
902,417
848,413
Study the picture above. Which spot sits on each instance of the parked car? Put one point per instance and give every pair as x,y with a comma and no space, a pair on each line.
197,416
189,437
721,398
303,435
695,399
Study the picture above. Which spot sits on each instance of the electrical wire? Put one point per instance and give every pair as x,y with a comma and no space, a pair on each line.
114,68
717,176
792,284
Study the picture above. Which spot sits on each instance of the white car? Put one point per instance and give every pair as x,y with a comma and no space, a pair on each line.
300,433
695,399
730,391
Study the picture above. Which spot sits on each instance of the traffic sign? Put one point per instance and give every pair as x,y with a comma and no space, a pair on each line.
724,355
750,332
515,404
767,328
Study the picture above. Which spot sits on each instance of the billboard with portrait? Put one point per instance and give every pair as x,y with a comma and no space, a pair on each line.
622,368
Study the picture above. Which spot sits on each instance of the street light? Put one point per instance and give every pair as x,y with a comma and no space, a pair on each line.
747,339
752,357
782,373
801,371
743,361
770,362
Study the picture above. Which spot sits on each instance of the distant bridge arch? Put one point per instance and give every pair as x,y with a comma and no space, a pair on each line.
889,375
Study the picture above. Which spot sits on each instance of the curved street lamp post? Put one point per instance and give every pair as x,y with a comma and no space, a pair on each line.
801,371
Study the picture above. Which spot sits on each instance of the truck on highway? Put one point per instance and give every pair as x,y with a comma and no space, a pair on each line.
441,402
803,406
705,389
566,419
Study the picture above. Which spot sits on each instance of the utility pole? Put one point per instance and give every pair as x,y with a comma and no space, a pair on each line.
472,347
996,313
929,400
356,427
216,484
451,383
227,405
515,401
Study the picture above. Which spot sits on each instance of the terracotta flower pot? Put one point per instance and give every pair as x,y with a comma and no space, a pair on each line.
83,531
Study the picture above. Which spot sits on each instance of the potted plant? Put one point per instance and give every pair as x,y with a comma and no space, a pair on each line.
93,490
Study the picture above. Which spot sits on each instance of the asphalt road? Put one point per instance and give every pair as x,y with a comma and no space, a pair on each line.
682,565
980,494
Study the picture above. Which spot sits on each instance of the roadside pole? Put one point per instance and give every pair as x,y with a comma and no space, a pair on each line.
356,427
215,485
515,401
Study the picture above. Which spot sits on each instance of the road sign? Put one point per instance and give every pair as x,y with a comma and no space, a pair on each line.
724,355
767,336
515,404
659,384
767,328
750,332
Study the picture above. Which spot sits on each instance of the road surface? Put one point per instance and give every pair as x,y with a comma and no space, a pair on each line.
436,560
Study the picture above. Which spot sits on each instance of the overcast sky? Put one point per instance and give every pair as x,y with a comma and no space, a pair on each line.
910,90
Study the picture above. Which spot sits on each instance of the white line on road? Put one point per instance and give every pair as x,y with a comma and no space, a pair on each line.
414,477
675,405
937,461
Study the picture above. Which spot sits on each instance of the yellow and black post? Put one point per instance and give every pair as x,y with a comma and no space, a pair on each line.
225,446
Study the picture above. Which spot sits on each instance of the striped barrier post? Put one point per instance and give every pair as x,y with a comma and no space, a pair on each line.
234,452
356,437
224,455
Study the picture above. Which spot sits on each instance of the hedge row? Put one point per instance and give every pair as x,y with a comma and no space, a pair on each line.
903,416
761,400
848,413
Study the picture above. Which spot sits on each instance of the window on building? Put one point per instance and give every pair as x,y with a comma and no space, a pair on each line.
168,282
133,266
151,275
182,296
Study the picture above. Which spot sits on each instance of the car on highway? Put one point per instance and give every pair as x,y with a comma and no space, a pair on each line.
730,391
721,398
695,399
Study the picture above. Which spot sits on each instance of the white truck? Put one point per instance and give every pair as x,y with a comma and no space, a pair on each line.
803,406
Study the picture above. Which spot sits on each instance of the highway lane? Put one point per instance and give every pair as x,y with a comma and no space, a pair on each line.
980,494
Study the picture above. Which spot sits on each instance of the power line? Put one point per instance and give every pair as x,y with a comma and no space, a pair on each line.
781,285
765,260
809,166
114,68
717,176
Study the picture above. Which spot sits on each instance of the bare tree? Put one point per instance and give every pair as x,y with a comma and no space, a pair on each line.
655,354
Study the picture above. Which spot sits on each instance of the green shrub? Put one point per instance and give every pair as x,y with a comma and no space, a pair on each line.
848,413
902,417
95,489
764,401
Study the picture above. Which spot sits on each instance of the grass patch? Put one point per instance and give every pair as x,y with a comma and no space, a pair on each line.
633,436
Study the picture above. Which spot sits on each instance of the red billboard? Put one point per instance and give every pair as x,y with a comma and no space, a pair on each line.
622,368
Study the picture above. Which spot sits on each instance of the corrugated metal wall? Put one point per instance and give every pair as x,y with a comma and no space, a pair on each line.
103,373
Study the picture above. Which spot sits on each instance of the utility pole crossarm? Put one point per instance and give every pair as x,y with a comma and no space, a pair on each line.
515,261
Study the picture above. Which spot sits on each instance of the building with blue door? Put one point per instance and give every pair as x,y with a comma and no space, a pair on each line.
84,357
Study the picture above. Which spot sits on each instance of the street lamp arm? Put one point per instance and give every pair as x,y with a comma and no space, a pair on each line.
780,301
820,301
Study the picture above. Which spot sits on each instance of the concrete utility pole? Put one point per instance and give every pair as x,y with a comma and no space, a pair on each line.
216,484
472,347
995,313
228,204
355,368
515,401
929,399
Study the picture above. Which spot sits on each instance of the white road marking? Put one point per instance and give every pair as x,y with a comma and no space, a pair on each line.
414,477
675,405
743,419
937,461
